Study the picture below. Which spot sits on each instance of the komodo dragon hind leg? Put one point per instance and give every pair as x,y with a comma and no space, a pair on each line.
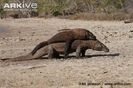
52,53
80,51
83,52
67,48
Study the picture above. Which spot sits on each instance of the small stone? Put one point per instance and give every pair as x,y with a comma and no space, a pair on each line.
31,83
22,39
105,72
131,30
88,75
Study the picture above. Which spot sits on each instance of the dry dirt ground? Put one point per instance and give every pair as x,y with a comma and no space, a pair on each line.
19,36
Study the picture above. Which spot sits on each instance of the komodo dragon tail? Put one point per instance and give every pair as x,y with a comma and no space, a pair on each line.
40,45
20,58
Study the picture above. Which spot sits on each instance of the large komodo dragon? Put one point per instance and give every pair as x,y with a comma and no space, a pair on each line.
68,37
80,46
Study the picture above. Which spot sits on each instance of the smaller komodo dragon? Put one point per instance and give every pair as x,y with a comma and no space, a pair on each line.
80,46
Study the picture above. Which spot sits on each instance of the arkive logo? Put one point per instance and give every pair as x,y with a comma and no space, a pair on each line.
23,5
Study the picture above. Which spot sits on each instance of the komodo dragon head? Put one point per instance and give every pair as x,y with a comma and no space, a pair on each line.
98,46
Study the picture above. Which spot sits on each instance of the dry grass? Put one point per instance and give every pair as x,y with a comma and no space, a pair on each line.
79,9
101,16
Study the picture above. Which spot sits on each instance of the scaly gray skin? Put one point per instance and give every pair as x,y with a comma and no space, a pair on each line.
53,50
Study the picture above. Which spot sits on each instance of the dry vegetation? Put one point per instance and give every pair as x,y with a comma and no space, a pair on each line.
101,16
80,9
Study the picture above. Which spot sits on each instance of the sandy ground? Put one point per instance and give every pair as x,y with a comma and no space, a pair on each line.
19,36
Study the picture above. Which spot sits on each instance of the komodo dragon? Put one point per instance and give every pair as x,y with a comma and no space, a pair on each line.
80,45
68,37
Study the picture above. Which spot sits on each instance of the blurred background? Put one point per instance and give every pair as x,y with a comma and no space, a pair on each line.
74,9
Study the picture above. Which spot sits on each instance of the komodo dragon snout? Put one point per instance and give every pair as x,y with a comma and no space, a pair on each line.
100,47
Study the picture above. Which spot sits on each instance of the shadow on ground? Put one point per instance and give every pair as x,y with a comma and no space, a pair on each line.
72,57
87,56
